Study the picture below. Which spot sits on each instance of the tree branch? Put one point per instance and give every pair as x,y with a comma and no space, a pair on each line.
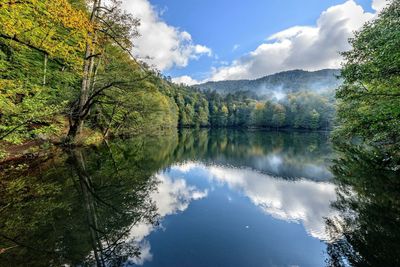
28,44
14,129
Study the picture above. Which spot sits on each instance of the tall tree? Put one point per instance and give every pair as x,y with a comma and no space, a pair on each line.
113,26
369,100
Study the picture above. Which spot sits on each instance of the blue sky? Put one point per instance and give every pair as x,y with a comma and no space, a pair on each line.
222,24
236,31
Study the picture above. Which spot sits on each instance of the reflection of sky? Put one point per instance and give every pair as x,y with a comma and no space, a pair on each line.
302,202
171,197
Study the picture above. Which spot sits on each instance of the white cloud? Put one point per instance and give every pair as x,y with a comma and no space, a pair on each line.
378,5
235,47
201,49
302,47
185,80
161,45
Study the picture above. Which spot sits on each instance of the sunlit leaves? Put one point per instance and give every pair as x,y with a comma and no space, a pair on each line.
53,26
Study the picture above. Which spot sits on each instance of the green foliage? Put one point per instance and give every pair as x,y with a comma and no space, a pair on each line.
304,110
28,108
369,100
43,26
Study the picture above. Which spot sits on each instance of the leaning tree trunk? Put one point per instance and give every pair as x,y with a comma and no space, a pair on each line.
79,112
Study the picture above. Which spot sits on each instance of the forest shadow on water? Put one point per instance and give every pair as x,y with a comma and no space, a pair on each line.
203,198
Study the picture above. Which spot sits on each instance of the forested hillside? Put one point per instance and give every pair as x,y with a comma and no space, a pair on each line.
73,79
303,110
322,81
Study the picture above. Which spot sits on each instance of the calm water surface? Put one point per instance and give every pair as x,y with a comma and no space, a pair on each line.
201,198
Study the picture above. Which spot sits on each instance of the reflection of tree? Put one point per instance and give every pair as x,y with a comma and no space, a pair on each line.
108,237
367,232
303,154
84,204
231,144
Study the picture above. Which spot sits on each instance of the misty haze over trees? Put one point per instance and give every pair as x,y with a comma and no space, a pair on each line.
293,99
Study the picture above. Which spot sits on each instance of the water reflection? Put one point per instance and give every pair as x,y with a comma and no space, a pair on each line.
302,201
193,198
290,155
367,231
171,197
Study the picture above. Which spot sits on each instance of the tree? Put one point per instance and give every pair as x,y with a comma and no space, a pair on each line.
369,99
44,27
258,114
112,26
314,119
279,117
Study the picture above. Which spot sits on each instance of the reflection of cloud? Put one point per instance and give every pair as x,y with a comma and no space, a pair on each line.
274,161
186,166
281,165
174,196
305,201
302,201
145,255
171,197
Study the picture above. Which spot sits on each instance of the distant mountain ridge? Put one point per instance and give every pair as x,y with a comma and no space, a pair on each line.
285,82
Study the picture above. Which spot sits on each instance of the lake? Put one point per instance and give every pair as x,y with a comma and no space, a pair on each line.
202,198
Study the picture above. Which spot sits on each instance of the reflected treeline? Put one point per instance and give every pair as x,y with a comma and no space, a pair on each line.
284,154
367,233
78,207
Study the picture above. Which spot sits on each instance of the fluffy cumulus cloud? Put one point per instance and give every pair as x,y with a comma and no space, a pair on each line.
159,44
378,5
302,47
185,79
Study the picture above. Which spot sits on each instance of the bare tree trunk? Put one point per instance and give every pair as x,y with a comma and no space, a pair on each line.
44,69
